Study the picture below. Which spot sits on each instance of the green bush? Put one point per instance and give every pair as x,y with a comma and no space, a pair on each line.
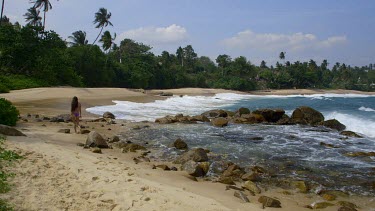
8,113
3,88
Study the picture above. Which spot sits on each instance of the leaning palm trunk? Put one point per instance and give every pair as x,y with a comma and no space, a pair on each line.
98,35
2,10
44,20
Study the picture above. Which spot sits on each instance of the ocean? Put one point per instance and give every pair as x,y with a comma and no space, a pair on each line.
291,150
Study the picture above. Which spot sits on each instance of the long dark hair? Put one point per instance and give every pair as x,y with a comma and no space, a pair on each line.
74,104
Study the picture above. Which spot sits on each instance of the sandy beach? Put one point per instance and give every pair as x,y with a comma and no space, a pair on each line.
56,174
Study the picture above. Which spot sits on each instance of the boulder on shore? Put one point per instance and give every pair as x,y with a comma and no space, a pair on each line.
270,115
10,131
197,155
193,169
219,122
215,113
180,144
307,116
94,139
269,202
109,115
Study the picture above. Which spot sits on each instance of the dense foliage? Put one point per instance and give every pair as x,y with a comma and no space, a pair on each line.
8,113
31,57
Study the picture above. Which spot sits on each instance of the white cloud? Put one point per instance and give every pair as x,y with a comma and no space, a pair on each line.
157,35
272,42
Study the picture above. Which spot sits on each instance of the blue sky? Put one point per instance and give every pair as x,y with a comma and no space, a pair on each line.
337,30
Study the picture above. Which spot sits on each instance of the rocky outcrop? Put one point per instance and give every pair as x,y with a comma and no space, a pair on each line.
109,115
114,139
306,116
270,115
94,139
333,124
242,111
193,168
196,155
180,144
215,113
269,202
252,187
132,147
350,134
10,131
219,122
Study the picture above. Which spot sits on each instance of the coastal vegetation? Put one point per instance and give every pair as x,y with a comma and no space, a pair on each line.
30,57
8,113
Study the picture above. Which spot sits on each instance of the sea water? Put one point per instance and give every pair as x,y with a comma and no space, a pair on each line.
290,150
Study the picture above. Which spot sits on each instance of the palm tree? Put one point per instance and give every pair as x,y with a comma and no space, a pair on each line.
78,38
107,40
2,11
282,55
102,20
46,5
32,17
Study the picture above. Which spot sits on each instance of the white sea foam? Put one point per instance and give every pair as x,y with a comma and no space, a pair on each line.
354,123
188,105
362,108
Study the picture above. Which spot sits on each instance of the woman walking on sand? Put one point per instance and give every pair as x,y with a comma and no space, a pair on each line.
75,112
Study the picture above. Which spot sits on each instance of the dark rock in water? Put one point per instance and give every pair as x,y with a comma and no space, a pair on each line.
306,115
94,139
328,145
199,118
242,111
346,209
350,134
196,155
334,124
269,202
259,170
180,144
166,120
284,120
219,122
242,196
253,118
64,131
193,169
109,115
10,131
61,118
132,148
270,115
114,139
360,154
163,167
215,113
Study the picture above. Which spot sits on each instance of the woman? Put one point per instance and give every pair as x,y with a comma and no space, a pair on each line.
75,112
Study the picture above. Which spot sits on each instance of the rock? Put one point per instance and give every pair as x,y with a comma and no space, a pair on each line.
109,115
258,169
269,202
242,196
218,167
200,118
80,144
196,155
64,131
253,118
96,150
10,131
46,118
241,111
205,166
114,139
215,113
219,122
85,131
306,115
164,167
329,197
321,205
360,154
347,204
180,144
350,134
270,115
61,118
300,185
251,176
132,148
174,169
334,192
233,171
334,124
328,145
252,187
226,180
346,209
193,169
94,139
166,120
285,120
166,94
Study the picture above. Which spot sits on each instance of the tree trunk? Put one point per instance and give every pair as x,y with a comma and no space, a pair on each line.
98,35
44,20
2,10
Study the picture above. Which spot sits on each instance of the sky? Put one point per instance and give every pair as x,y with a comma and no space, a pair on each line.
337,30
